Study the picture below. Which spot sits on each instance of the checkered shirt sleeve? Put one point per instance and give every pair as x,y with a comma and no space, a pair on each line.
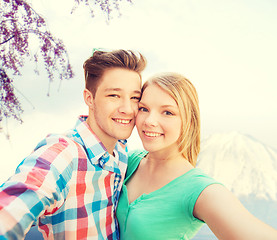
68,186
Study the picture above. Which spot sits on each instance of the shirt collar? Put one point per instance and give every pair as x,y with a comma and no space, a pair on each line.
93,146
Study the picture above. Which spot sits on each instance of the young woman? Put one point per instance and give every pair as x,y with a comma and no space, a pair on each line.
164,196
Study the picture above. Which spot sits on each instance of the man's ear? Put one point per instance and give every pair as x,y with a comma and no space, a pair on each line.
88,98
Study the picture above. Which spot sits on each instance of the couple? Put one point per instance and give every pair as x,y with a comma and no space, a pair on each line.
70,184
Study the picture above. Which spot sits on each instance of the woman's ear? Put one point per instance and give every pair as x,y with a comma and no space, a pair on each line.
88,98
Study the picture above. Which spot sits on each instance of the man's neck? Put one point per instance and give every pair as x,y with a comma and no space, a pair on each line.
109,143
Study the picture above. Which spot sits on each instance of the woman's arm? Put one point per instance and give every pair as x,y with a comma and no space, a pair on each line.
228,218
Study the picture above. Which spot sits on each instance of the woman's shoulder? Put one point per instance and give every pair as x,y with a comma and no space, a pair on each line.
200,178
194,182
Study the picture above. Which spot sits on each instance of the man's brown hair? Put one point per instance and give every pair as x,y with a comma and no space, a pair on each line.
95,66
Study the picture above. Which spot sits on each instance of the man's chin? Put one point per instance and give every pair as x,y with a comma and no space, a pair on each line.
123,136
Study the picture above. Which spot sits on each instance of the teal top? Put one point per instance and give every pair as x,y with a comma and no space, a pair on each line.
166,213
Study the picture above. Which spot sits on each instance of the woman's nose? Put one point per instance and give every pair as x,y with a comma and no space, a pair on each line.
151,120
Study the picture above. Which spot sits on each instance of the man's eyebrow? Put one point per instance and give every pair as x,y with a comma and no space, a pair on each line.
113,89
119,89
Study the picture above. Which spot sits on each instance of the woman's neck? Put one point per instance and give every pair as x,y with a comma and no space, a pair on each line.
155,160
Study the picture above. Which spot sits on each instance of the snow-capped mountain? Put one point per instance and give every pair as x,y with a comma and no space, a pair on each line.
243,164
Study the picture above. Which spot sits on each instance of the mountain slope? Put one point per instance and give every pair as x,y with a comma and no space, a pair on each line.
245,165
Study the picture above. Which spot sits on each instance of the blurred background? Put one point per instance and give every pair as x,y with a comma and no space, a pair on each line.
226,48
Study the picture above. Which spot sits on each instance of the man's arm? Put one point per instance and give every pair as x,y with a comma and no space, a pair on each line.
35,188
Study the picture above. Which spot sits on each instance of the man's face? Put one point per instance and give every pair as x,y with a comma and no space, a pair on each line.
115,105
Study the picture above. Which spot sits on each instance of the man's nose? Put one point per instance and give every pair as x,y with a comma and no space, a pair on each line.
127,106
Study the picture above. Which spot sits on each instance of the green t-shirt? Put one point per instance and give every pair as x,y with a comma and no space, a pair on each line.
166,213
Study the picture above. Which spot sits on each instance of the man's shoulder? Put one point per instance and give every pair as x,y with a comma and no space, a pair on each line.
60,142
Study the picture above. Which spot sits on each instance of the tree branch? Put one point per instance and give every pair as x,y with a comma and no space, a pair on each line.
7,40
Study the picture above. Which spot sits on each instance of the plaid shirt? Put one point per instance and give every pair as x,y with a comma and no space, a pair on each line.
69,186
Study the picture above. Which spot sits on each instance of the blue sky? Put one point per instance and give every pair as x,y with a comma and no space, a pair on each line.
226,48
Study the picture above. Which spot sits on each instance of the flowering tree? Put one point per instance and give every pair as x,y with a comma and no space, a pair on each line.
106,6
20,24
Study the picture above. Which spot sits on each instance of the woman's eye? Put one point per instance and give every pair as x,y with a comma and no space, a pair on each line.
168,113
142,109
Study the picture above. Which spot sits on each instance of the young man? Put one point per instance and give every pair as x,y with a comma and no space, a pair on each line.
69,186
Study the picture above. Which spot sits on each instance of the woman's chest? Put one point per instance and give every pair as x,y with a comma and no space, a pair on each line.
146,183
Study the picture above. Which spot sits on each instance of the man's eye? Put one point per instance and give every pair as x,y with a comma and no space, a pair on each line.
136,98
143,109
113,95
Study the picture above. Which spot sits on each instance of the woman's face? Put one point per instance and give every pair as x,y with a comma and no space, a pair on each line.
158,120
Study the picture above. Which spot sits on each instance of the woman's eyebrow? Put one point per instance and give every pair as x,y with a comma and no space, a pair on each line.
163,106
168,106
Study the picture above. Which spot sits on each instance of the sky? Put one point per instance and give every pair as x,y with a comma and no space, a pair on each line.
226,48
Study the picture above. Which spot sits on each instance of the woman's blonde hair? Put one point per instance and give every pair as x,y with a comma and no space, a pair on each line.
185,95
